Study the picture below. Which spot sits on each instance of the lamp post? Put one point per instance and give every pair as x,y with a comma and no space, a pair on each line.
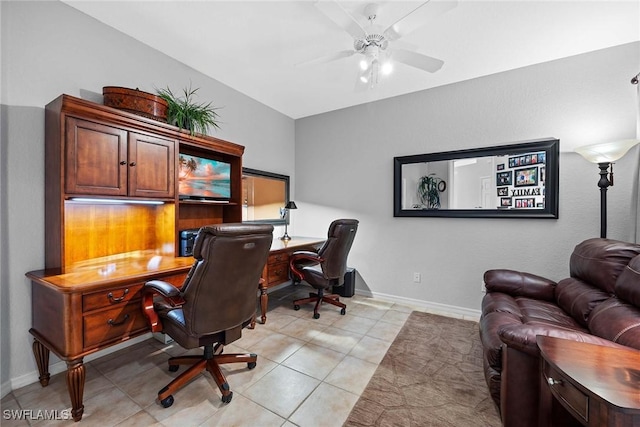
604,155
285,215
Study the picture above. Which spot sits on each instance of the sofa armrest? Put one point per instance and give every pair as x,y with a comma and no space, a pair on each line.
519,284
523,337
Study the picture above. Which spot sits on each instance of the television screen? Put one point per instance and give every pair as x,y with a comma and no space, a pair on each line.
202,178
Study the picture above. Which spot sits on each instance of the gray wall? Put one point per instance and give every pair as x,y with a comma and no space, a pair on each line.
49,48
344,168
343,159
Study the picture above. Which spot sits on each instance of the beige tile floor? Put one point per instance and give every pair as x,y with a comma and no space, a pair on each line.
310,372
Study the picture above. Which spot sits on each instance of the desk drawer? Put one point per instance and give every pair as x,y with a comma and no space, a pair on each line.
278,273
122,295
104,326
571,397
278,258
115,296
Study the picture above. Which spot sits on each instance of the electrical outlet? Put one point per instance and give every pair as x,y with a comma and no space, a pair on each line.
416,278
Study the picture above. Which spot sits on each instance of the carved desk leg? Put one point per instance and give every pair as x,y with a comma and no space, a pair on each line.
41,354
264,300
75,384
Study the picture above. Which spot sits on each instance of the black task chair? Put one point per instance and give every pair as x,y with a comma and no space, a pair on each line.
327,267
217,300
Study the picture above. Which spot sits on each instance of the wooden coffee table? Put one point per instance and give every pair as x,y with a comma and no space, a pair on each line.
592,384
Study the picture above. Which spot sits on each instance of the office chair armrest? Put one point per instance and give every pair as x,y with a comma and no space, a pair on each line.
167,291
306,258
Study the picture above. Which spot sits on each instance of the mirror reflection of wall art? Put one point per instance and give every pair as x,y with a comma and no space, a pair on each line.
504,178
526,177
517,180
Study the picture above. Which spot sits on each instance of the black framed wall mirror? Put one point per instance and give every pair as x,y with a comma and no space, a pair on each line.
264,195
517,180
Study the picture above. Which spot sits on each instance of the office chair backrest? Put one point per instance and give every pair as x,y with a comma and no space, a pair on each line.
336,249
220,292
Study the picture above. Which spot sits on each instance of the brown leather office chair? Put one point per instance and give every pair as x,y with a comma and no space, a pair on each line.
217,300
327,267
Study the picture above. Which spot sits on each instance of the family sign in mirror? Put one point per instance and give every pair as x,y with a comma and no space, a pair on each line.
516,180
264,196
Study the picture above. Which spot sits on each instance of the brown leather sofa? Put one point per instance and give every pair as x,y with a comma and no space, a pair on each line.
599,303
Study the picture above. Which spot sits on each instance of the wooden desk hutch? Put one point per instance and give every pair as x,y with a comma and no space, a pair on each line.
98,254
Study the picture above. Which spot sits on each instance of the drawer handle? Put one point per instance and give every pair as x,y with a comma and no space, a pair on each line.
114,323
118,299
553,382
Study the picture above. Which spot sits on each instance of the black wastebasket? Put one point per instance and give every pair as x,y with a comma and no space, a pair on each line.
349,287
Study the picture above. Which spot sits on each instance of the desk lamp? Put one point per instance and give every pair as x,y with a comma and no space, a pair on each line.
285,215
604,155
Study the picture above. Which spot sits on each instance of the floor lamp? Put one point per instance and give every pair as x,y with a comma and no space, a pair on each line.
604,155
285,215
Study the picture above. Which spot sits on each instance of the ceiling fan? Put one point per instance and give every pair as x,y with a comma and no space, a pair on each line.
373,44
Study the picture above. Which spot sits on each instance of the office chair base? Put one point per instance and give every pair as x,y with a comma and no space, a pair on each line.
318,298
211,361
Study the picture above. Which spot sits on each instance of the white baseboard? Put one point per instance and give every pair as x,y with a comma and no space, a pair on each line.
61,366
426,306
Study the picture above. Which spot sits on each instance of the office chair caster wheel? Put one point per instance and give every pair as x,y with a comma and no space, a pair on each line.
316,315
296,307
343,311
227,398
166,402
251,365
173,368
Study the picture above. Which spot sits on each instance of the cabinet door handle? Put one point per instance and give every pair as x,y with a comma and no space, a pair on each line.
123,162
553,382
114,323
118,299
132,164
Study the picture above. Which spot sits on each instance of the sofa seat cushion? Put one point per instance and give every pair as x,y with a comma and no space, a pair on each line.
579,298
501,310
546,312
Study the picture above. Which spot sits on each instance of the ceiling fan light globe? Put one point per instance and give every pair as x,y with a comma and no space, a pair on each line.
387,68
364,65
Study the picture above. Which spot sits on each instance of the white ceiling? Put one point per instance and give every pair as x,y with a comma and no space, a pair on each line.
254,46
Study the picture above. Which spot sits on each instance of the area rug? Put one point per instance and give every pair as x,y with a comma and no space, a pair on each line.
432,375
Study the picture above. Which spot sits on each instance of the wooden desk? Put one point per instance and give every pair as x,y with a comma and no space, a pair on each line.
596,385
97,304
276,271
92,306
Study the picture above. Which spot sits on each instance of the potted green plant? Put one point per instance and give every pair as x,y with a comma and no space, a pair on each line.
429,191
185,113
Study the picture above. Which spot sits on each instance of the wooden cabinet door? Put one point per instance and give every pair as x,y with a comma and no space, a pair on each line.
95,158
151,166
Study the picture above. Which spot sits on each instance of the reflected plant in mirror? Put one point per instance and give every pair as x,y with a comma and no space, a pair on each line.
516,180
429,191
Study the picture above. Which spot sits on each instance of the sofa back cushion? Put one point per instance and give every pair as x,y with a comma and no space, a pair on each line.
599,261
578,298
628,283
617,321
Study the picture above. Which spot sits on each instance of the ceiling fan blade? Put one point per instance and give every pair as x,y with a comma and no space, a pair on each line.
327,58
417,60
342,18
418,17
